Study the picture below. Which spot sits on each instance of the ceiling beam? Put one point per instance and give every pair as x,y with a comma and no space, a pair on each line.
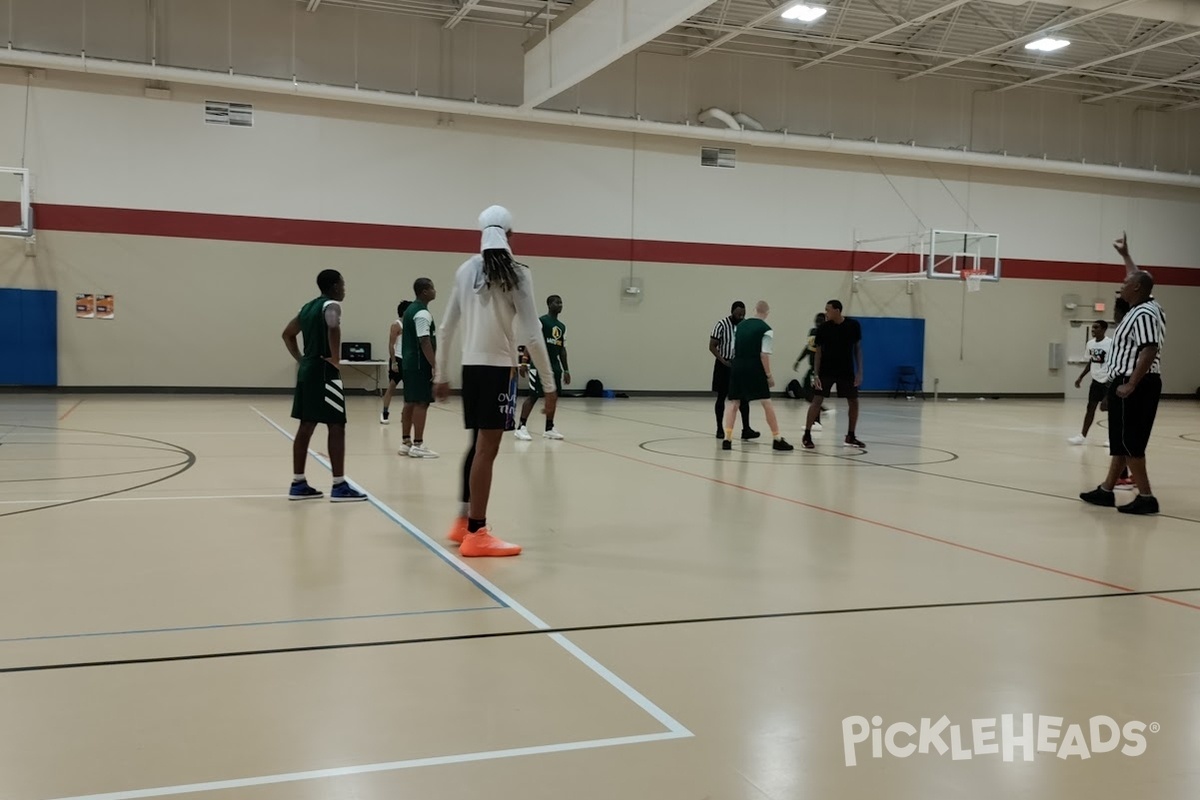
1053,27
460,14
1174,79
1080,67
312,4
599,34
1186,106
754,23
884,34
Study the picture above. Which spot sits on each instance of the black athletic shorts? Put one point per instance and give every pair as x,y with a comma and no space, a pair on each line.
489,396
1097,392
1131,419
396,377
844,383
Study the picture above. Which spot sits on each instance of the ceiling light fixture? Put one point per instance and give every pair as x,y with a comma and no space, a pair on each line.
1047,44
802,12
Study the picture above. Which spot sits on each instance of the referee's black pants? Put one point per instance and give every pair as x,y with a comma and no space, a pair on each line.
720,385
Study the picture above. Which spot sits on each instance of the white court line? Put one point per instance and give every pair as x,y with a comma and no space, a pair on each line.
389,766
276,496
674,730
665,719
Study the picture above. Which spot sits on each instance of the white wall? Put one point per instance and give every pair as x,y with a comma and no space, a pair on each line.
101,143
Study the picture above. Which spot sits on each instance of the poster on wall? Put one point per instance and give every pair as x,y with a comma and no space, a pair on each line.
104,306
85,306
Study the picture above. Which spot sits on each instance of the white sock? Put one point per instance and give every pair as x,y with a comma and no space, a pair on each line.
338,481
298,478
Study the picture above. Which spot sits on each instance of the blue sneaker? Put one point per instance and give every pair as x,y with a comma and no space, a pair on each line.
302,491
345,493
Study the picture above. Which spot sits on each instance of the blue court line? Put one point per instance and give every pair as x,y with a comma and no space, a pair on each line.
247,624
404,524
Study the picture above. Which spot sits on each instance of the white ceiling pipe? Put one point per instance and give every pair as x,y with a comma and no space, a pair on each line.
748,122
717,114
820,144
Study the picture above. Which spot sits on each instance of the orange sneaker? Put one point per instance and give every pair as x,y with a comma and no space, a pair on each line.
482,543
458,531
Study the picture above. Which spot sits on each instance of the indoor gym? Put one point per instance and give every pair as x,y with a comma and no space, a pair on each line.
683,622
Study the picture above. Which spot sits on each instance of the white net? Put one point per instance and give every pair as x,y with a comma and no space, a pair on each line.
974,279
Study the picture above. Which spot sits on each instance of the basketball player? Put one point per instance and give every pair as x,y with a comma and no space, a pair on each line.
750,376
492,302
838,362
810,350
720,344
395,359
554,331
419,353
319,397
1099,349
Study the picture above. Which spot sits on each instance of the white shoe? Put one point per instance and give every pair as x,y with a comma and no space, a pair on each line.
421,451
522,433
404,449
816,426
552,434
383,418
1078,439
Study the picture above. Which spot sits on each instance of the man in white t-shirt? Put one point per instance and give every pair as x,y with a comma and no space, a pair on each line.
1099,349
492,312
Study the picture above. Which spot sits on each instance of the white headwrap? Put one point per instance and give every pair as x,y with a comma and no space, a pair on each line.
495,222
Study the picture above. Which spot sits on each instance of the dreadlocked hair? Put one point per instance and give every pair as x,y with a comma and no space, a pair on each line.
500,268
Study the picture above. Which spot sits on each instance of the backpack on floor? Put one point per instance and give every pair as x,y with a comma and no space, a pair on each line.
594,388
794,390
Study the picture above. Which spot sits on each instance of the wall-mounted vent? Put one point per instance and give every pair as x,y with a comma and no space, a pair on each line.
718,157
234,115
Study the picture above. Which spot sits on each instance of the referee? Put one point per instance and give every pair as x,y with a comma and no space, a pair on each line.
720,344
1134,392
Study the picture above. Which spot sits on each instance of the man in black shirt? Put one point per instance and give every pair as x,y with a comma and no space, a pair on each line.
838,362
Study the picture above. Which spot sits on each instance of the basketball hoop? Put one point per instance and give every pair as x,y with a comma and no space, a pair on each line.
973,278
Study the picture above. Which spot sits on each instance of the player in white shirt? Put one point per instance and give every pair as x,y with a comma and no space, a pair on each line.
493,311
1099,351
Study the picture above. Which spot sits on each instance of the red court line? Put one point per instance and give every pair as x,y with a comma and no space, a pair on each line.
888,526
67,413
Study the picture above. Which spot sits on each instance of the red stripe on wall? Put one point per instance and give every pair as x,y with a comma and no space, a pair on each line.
318,233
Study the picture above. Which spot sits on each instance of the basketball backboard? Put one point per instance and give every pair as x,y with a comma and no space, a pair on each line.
16,218
950,253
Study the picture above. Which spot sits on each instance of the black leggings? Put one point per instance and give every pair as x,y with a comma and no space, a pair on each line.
720,409
470,459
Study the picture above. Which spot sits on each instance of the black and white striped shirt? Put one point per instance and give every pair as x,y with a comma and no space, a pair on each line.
723,333
1144,325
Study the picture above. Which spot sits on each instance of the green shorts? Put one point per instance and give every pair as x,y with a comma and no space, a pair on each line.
319,395
418,386
748,382
535,382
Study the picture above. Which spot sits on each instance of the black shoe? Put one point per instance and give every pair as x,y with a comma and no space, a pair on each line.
781,444
1100,497
720,433
807,441
748,434
726,445
852,441
1142,504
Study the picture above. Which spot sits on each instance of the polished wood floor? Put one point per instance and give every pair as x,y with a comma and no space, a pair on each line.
684,623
